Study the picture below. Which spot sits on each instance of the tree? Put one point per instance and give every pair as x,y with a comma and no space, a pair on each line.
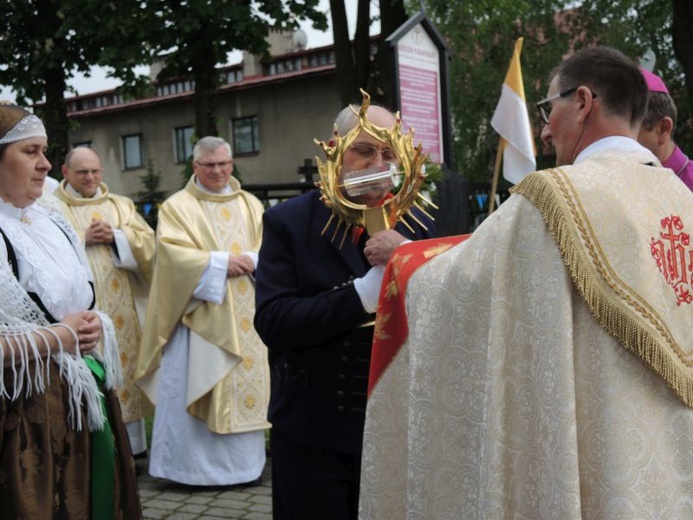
44,42
481,37
354,69
192,37
683,45
345,73
392,16
40,48
150,198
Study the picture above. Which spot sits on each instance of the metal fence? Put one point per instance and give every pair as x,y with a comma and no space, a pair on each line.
463,205
272,194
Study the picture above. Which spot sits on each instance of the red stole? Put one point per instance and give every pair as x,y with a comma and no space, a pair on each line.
391,329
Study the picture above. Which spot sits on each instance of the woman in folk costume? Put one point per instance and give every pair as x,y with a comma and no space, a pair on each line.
63,447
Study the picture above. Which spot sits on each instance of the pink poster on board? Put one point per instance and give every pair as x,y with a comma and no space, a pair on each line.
419,86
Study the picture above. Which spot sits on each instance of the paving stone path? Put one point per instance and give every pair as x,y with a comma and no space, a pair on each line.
162,499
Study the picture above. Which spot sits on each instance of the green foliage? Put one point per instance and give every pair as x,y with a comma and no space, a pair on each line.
35,38
180,30
149,199
43,43
192,37
41,46
481,37
434,176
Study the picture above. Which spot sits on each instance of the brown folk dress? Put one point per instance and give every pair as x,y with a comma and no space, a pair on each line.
44,460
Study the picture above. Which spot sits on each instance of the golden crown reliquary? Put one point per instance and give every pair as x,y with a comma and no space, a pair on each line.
404,178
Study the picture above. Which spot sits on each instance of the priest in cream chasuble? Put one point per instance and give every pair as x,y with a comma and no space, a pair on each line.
202,363
120,248
543,367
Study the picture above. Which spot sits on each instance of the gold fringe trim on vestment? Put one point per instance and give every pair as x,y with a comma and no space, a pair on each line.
626,317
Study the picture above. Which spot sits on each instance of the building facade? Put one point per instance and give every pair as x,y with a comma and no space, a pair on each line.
269,112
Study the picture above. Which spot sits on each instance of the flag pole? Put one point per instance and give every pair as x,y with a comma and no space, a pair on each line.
496,173
511,121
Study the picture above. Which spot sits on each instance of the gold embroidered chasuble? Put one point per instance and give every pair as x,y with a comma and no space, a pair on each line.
548,366
228,375
640,291
120,293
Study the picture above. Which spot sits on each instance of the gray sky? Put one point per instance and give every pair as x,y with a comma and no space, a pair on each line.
98,80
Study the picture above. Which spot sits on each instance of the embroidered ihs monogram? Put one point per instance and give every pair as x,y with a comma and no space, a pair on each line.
674,256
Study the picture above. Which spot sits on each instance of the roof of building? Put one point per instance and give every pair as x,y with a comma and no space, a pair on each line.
285,67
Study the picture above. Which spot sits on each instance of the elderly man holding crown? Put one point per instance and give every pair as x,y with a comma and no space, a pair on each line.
318,278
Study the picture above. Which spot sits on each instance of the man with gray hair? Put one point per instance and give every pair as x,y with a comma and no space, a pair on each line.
201,362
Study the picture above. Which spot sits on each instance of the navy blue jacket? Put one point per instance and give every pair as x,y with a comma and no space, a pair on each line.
310,317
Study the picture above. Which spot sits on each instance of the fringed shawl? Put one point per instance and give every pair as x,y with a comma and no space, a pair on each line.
24,326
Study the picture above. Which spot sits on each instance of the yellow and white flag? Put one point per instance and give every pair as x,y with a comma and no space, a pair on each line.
511,121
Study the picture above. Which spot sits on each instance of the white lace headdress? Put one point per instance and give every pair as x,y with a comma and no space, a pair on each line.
29,126
17,123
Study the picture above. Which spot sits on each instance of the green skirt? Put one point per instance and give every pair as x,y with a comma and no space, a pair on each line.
46,467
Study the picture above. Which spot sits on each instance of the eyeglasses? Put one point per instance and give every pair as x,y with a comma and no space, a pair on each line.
369,152
84,173
546,105
212,165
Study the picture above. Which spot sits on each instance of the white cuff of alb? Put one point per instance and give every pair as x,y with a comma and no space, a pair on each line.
211,286
368,287
122,256
253,256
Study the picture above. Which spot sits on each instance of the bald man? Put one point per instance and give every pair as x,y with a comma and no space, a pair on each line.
316,301
120,247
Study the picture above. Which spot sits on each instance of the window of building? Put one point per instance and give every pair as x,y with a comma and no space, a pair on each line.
234,75
132,151
246,135
183,143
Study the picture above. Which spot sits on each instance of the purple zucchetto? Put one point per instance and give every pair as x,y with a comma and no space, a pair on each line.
654,82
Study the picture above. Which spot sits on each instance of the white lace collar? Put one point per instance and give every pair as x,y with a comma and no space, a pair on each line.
14,212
